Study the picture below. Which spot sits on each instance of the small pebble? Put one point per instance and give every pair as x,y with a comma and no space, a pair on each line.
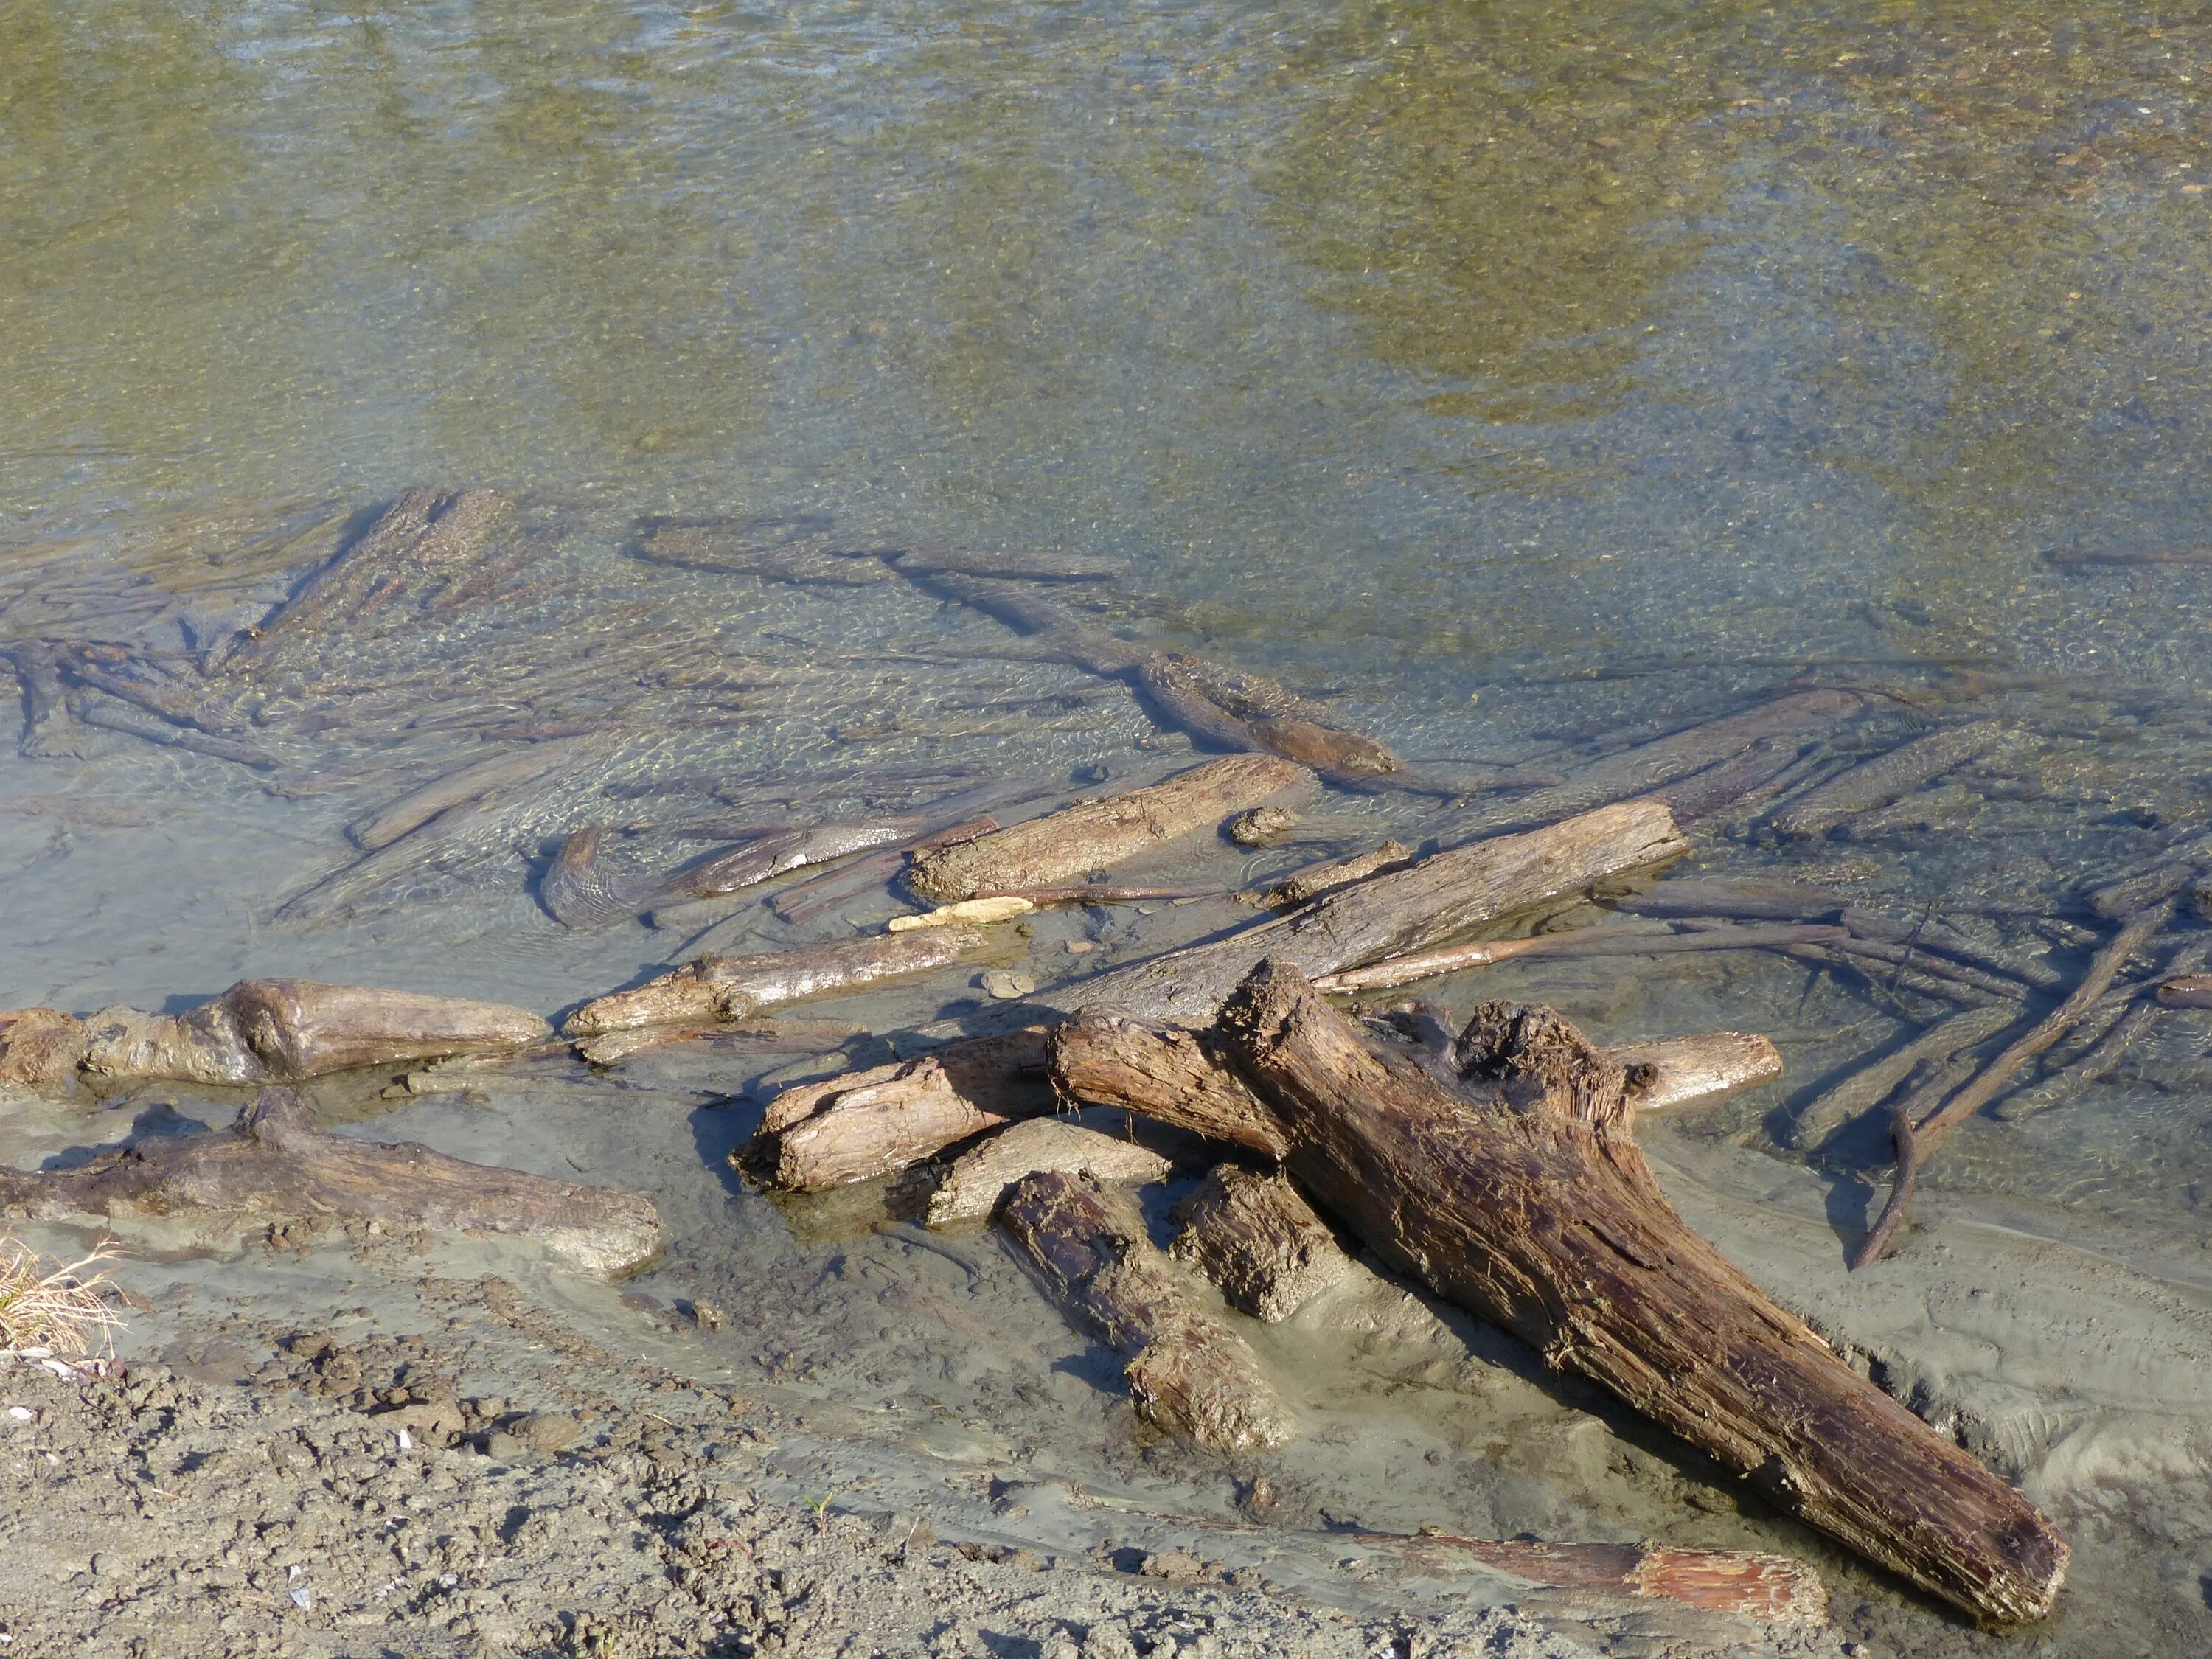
1081,947
1006,986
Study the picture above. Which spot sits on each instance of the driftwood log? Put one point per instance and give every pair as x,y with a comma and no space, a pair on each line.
1067,845
1885,778
716,987
1449,893
260,1031
1255,1237
869,1123
971,1189
1613,941
1303,886
274,1164
1516,1191
1747,1584
1188,1373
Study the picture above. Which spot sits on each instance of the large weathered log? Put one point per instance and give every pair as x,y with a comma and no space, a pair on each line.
1446,894
261,1031
1063,847
1255,1237
274,1164
869,1123
732,987
1885,778
1188,1373
1521,1195
971,1189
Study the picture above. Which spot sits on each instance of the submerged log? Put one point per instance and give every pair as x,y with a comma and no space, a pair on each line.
1189,1375
971,1189
1520,1194
731,988
261,1031
274,1164
1255,1237
47,732
471,782
1885,778
891,1117
1062,847
1577,942
1449,893
1748,1584
118,717
1915,1141
1251,713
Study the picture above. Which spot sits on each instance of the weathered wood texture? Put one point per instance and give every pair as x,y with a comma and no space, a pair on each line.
890,1117
274,1164
1063,847
1188,1373
261,1031
971,1189
1749,1584
1303,886
1673,1071
732,987
1521,1195
1255,1237
1406,911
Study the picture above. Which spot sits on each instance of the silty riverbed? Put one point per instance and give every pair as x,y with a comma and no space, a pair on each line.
1525,385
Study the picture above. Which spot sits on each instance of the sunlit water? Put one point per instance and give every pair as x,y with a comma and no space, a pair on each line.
1522,379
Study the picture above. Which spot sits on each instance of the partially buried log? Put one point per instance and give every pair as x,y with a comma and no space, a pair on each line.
1576,942
1062,847
732,987
260,1031
869,1123
1520,1194
274,1164
1749,1584
1255,1237
971,1189
1188,1373
1447,894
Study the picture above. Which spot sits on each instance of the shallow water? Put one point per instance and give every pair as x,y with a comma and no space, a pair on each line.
1522,379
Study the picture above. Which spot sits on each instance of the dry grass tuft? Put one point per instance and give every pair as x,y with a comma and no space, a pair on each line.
48,1304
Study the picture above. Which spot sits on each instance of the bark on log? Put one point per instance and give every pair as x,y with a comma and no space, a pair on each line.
1885,778
1062,847
261,1031
731,988
1188,1373
890,1117
1303,886
274,1164
971,1189
1256,1237
1446,894
1522,1197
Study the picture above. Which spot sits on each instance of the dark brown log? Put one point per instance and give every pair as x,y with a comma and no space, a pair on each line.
1249,712
1445,895
1188,1373
732,987
262,1031
1255,1237
1885,778
869,1123
1303,886
970,1189
274,1164
1522,1197
1056,849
